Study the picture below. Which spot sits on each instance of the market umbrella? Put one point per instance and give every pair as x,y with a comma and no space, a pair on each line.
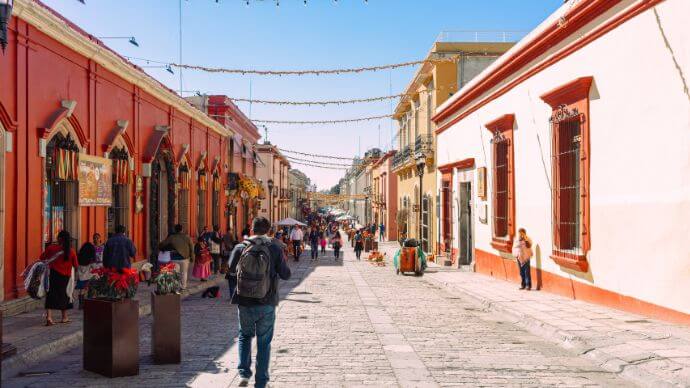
290,222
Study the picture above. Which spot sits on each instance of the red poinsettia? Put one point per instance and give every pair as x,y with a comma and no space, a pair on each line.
111,283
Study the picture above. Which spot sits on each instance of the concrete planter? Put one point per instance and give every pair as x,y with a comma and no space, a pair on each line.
166,333
111,337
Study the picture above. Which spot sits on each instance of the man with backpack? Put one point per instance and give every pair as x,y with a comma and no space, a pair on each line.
255,266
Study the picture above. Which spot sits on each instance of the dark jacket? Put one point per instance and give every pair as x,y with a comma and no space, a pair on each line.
278,269
117,252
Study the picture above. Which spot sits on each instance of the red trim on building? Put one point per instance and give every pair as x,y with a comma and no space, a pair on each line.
506,269
460,164
575,19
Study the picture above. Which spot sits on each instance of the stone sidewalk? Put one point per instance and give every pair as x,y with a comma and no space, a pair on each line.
36,342
647,351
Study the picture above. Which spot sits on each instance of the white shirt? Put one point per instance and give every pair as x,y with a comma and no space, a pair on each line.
296,235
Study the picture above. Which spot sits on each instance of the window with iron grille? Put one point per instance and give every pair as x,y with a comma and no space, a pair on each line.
215,207
183,209
501,189
569,123
201,200
118,212
503,178
446,197
567,160
426,225
62,194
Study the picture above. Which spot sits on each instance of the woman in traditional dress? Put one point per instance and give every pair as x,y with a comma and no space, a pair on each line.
202,262
62,260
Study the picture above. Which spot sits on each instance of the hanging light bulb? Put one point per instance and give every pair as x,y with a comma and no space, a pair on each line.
247,3
305,3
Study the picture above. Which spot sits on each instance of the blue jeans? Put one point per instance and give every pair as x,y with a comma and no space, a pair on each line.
256,321
525,275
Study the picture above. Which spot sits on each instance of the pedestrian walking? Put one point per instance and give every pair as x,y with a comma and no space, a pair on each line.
522,250
119,250
88,261
245,232
256,264
202,262
214,241
359,244
382,231
229,242
184,251
336,242
296,237
314,240
99,246
62,261
323,242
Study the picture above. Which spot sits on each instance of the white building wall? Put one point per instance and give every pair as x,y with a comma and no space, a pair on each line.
640,157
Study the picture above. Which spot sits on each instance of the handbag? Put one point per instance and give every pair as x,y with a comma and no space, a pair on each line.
36,277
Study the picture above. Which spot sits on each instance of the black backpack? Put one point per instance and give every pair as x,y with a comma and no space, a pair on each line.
254,270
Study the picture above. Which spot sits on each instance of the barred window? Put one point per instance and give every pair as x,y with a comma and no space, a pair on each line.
567,161
501,189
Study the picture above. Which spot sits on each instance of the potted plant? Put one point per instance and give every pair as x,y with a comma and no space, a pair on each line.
111,323
166,330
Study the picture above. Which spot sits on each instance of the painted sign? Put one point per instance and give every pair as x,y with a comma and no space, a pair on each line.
95,181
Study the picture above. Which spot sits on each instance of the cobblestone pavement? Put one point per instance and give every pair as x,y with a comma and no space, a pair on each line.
350,323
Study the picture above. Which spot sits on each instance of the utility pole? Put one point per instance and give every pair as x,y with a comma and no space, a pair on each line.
379,136
180,69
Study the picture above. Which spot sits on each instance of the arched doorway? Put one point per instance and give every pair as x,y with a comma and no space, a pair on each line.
61,191
161,198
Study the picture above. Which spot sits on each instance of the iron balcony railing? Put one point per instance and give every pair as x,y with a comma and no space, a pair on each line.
424,145
402,157
481,36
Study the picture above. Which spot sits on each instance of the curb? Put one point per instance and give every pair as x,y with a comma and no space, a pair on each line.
610,363
15,364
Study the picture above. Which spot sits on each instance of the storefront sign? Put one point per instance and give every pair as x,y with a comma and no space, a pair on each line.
481,183
95,181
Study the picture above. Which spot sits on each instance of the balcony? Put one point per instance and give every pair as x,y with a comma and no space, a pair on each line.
402,158
424,147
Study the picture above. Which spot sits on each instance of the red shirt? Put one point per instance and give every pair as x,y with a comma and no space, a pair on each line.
60,265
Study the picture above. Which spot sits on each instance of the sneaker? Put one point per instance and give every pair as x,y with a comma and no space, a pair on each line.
522,288
244,382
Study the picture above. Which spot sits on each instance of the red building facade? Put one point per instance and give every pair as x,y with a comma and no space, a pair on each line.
63,94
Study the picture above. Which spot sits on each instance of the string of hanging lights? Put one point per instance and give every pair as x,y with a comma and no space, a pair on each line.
319,166
323,121
315,155
292,158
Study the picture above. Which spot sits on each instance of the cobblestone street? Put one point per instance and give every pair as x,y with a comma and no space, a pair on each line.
350,323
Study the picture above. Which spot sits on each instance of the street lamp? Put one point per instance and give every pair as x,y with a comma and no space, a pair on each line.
269,183
132,40
421,164
5,15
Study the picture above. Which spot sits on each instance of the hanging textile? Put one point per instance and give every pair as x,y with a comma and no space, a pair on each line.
202,180
184,177
120,158
216,182
65,157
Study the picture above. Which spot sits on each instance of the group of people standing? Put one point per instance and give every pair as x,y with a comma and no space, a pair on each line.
70,271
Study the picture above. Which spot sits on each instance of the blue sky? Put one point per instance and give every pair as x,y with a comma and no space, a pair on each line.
324,34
